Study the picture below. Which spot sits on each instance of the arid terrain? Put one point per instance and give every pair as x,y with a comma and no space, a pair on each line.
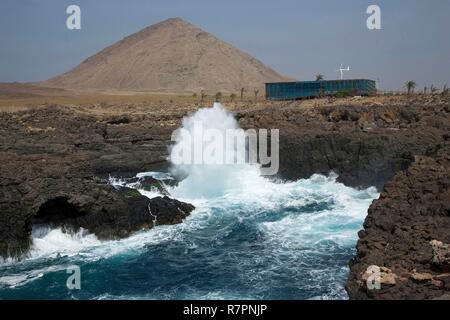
172,56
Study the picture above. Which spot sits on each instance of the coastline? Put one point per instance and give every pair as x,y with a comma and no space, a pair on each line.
64,152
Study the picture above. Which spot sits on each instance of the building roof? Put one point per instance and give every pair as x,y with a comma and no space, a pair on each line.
315,81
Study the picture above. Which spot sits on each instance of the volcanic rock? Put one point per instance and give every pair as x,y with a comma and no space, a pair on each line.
400,231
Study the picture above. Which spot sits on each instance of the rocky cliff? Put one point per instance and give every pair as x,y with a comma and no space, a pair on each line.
57,158
407,235
364,145
53,165
404,150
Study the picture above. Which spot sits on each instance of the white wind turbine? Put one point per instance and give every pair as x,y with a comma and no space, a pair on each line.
342,70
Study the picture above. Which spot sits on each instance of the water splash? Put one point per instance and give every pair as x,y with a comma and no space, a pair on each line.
249,237
205,180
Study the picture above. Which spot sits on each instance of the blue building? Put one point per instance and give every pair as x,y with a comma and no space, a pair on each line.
311,89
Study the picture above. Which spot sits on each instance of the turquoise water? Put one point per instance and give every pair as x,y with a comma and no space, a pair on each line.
257,240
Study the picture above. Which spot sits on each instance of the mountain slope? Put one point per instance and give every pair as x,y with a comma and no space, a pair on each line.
171,56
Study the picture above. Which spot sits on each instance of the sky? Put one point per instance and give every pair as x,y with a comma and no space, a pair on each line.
295,37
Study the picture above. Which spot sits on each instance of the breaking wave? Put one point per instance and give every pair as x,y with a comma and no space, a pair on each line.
248,238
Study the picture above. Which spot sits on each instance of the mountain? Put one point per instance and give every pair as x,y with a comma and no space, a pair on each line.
172,56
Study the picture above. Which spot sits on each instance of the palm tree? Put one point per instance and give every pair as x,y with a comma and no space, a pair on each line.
256,91
242,94
319,77
410,86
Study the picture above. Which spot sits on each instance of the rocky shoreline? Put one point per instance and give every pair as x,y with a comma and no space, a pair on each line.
58,157
407,234
56,162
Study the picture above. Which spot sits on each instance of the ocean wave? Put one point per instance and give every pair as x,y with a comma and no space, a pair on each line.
249,237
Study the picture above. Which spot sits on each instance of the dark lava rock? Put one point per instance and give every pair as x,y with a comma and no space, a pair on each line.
151,184
169,211
104,210
365,145
50,159
408,231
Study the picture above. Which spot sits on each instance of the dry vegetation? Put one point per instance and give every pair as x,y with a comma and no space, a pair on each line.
104,104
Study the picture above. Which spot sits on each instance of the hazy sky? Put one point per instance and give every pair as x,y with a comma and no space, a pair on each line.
295,37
